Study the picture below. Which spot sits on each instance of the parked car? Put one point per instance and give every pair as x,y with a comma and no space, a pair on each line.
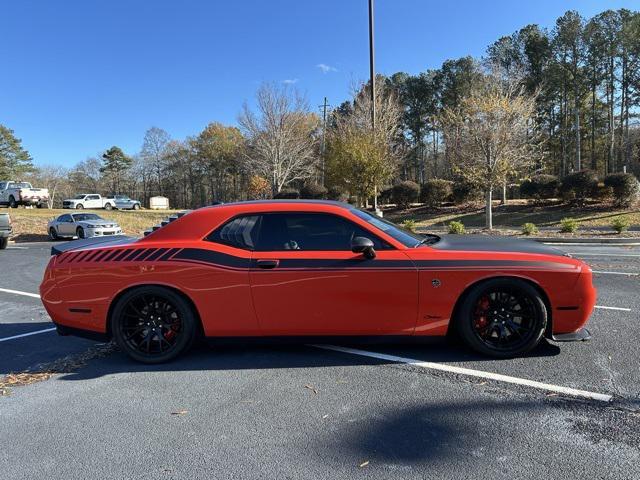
89,200
122,202
14,193
312,268
5,230
82,225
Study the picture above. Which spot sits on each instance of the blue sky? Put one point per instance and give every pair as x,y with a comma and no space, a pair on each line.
79,76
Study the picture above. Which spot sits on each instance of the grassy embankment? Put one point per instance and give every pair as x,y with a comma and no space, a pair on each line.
514,215
30,225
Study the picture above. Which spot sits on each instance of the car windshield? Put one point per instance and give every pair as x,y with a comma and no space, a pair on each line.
79,197
406,237
20,185
83,217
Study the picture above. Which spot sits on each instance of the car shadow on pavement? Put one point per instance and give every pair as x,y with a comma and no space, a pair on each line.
440,433
205,357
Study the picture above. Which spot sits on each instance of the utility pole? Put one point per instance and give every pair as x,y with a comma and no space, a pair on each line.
372,68
323,142
372,75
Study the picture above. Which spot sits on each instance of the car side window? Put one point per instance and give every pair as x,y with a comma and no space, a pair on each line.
3,185
309,232
65,218
240,232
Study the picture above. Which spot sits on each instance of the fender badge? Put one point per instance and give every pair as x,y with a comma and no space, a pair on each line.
436,283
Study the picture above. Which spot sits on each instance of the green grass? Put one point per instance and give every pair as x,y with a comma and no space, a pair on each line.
30,224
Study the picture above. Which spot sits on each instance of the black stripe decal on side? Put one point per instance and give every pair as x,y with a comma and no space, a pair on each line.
156,254
92,256
101,255
111,255
333,264
121,255
133,254
167,255
145,254
211,257
82,256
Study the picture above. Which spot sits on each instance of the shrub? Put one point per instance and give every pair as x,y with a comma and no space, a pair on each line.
568,225
625,188
579,186
620,224
409,225
338,194
529,229
405,193
313,191
540,187
385,195
287,193
456,228
465,192
435,191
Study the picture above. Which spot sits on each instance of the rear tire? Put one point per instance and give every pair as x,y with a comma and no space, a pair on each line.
502,318
4,241
136,206
153,324
53,234
108,206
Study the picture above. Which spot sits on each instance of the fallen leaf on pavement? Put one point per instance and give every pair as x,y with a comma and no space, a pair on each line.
180,412
364,464
312,388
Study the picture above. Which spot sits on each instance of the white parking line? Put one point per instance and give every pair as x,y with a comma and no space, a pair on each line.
628,274
18,292
601,397
5,339
621,309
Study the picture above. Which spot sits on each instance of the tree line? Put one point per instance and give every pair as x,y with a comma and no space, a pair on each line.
540,101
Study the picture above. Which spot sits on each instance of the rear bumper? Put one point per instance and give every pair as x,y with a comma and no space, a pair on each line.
63,330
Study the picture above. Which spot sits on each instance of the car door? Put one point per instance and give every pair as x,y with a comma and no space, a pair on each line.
65,225
93,201
305,280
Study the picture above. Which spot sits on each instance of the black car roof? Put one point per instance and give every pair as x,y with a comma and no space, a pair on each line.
335,203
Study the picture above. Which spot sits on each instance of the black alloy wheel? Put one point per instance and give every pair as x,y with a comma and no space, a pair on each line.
502,318
153,324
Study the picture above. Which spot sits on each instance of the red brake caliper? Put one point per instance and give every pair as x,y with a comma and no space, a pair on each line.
481,313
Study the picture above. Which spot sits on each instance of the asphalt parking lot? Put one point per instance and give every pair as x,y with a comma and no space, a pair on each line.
383,411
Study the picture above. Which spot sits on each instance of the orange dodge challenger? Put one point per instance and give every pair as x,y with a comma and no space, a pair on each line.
300,269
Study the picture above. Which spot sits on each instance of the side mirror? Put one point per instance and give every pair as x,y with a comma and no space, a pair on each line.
364,246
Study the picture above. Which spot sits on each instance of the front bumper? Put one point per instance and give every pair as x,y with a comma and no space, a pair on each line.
103,232
581,335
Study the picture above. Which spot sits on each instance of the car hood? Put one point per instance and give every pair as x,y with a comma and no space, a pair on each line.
487,243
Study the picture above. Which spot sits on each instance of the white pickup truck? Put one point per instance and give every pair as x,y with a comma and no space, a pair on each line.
89,200
22,193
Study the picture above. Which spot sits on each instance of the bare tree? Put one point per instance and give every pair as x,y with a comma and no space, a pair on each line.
154,150
282,136
496,135
52,177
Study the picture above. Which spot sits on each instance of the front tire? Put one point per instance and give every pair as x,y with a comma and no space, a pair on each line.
79,206
108,206
502,318
80,233
12,202
153,324
4,241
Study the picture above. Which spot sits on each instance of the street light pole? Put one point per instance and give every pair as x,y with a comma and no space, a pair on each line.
372,79
372,68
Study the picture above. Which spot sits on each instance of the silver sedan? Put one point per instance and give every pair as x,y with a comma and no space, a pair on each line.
81,225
